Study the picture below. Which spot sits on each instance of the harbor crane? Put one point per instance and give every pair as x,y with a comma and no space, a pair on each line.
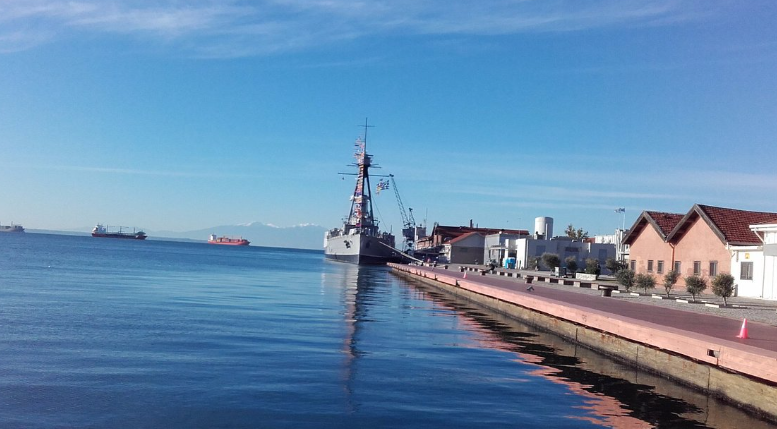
408,222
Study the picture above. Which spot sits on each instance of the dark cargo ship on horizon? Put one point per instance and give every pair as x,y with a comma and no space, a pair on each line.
103,231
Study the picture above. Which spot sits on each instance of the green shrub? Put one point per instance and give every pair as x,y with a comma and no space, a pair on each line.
551,260
626,279
670,278
695,285
614,265
534,263
592,266
571,264
723,286
645,281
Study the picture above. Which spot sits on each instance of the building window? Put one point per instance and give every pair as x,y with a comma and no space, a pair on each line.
746,271
650,265
713,268
677,267
634,265
696,268
660,269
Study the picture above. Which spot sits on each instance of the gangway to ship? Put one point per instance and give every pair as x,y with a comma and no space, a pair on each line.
402,253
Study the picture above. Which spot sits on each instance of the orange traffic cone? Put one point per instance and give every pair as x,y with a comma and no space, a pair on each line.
465,274
743,331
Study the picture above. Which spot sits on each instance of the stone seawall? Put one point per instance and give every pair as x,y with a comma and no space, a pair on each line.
691,359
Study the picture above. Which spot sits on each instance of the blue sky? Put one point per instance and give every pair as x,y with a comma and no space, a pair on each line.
171,115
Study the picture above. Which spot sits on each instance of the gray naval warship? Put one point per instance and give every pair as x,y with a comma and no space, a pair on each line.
359,240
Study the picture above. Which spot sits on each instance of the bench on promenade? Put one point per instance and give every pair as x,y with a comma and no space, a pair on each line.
607,289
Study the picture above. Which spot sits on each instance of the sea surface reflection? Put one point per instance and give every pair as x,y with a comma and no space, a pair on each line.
617,395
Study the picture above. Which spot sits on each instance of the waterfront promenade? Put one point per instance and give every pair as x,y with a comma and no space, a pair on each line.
649,334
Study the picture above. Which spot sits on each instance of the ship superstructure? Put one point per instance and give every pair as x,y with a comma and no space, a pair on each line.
11,228
360,240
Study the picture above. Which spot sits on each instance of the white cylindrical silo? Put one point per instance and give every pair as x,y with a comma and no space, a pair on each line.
543,226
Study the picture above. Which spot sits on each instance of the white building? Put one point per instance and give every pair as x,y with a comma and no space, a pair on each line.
464,249
497,247
529,248
755,267
621,250
525,249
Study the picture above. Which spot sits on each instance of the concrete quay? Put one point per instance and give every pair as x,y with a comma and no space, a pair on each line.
697,349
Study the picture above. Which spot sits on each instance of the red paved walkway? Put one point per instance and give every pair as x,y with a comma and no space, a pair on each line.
762,336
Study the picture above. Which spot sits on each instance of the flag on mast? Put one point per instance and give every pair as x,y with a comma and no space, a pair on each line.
620,210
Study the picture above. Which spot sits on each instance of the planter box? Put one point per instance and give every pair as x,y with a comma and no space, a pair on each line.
584,276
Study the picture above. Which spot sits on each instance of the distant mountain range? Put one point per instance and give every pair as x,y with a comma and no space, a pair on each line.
259,234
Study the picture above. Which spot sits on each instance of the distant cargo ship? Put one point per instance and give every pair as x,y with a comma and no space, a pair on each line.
228,241
103,231
11,228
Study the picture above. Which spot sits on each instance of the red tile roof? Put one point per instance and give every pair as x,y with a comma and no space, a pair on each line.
732,226
662,222
665,221
735,224
455,231
463,237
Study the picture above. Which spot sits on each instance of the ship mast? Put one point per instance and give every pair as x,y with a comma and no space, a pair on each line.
361,216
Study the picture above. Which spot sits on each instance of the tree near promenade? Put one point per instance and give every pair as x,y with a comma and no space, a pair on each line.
571,262
551,260
695,285
723,286
614,265
592,266
576,234
645,281
670,278
626,278
534,263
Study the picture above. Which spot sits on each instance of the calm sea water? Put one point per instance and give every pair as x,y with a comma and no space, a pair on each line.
109,333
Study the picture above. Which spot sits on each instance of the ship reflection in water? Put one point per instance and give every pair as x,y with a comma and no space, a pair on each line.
616,395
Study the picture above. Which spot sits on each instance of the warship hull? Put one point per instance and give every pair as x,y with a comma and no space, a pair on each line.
360,249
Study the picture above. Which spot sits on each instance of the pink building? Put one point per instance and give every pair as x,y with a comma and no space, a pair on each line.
699,242
649,251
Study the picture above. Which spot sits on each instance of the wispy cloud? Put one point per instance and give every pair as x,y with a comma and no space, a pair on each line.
567,195
607,183
137,172
239,28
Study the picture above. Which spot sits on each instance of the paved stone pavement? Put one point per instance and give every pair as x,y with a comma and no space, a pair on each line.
753,309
